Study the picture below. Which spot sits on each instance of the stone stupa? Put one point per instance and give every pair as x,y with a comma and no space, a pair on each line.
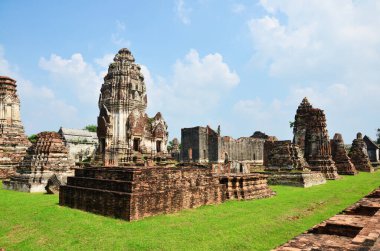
13,141
311,135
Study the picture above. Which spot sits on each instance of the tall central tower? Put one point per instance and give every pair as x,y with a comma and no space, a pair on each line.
123,127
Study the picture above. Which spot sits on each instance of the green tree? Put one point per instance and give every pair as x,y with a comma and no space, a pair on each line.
33,138
291,124
91,128
170,145
378,136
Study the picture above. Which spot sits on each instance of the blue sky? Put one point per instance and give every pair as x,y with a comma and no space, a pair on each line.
245,65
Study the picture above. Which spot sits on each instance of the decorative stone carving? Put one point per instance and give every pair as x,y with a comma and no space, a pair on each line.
359,156
46,158
13,141
311,135
126,133
342,161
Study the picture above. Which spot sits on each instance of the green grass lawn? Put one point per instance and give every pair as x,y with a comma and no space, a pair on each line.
37,222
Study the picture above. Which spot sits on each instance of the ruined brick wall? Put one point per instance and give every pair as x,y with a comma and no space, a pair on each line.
243,149
207,145
190,144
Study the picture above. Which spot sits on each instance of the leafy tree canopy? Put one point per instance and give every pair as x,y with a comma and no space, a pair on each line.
33,138
91,128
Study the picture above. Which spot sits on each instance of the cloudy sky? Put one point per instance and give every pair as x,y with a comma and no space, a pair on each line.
245,65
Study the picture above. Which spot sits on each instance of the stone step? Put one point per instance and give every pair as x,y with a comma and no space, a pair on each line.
101,184
126,174
104,202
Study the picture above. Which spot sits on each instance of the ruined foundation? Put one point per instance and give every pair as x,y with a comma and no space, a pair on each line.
135,193
356,228
297,179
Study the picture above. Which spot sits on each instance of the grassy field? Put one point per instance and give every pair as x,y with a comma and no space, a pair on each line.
37,222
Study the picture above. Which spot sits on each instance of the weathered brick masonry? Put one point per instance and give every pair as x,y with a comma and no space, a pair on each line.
356,228
13,141
135,193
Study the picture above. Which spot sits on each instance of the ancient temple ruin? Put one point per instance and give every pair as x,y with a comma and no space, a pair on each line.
126,133
311,135
13,141
45,167
342,161
359,156
204,145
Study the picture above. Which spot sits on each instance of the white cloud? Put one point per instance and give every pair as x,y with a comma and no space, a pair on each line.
326,50
117,37
76,75
183,12
194,89
238,8
105,60
41,109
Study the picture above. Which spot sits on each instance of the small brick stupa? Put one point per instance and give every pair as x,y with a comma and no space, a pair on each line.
311,135
13,141
342,161
286,156
47,162
359,156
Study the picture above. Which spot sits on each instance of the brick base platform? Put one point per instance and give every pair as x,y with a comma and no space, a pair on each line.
135,193
297,179
356,228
